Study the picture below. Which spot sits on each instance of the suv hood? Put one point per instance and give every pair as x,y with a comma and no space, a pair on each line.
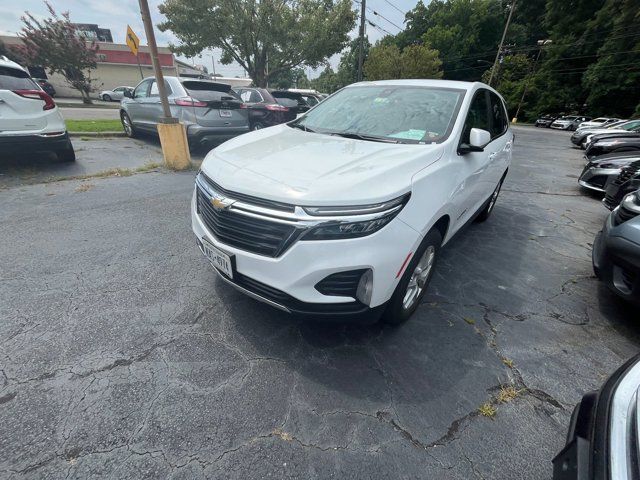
292,166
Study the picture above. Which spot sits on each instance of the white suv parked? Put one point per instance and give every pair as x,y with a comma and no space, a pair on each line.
345,209
29,118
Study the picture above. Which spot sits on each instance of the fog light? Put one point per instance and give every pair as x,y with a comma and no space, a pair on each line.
365,287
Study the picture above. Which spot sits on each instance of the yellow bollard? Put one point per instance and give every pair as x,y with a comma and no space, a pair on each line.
175,147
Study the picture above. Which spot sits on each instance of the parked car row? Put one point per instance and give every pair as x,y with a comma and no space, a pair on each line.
572,122
612,169
211,112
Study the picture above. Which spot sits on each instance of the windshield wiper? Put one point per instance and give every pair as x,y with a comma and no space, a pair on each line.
301,127
360,136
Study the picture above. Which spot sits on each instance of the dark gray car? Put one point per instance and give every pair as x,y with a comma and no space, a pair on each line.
616,249
210,111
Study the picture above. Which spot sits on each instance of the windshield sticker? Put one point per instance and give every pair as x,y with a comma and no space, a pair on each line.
412,134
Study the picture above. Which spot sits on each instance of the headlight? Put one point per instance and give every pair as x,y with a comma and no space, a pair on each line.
631,202
353,221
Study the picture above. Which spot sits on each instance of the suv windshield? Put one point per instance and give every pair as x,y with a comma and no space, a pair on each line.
403,114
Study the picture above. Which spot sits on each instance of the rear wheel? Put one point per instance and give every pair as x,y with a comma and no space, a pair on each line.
128,127
106,98
257,126
415,280
486,211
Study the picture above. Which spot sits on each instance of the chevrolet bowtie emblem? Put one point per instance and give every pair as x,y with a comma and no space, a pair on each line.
221,203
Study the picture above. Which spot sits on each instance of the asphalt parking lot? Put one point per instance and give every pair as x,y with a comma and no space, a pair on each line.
123,356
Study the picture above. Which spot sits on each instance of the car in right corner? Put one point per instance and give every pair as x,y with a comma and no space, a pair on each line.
616,250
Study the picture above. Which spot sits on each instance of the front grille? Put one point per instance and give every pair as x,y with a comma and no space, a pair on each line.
627,172
597,181
292,303
247,233
622,215
629,278
341,284
285,207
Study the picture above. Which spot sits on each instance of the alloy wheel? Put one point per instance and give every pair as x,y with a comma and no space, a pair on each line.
419,278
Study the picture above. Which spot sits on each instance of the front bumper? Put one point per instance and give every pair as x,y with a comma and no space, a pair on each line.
12,144
617,262
290,279
598,179
560,126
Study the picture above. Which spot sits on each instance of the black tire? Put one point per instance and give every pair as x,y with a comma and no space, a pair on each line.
67,155
488,208
397,311
106,98
257,126
127,126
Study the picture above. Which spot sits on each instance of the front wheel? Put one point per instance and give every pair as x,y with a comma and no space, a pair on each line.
106,98
415,280
129,130
257,126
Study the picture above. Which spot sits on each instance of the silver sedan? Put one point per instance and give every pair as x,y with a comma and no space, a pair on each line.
116,94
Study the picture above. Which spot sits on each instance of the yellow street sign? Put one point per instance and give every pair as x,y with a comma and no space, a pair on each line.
132,40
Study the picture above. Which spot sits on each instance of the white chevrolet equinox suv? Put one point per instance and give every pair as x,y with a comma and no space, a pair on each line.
29,118
344,210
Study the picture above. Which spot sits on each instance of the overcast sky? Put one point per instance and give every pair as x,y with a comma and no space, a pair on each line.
116,14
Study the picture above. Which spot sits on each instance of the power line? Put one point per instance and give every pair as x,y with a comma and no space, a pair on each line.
403,13
379,28
385,18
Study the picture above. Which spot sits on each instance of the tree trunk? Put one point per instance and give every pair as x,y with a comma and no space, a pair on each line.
86,99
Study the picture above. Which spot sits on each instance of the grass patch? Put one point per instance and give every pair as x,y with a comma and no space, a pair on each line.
508,362
487,410
84,187
506,394
112,172
94,125
469,320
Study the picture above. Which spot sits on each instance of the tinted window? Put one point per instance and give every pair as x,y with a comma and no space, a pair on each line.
251,96
142,90
478,116
14,79
209,91
499,122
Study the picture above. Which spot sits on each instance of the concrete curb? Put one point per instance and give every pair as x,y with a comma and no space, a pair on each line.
97,134
82,105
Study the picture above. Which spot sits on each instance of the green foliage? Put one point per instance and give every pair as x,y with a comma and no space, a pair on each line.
415,61
54,44
283,33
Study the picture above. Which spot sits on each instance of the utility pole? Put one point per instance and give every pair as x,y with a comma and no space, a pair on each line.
153,49
363,5
504,34
173,136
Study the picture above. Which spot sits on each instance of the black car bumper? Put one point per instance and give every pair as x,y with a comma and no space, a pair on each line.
616,261
198,135
586,455
12,144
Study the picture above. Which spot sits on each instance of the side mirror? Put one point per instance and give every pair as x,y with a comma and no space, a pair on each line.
128,93
478,139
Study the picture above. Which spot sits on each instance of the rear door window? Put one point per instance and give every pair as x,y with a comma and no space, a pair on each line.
14,79
154,89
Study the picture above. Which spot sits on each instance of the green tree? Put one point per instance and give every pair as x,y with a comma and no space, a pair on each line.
613,80
348,67
54,44
415,61
265,37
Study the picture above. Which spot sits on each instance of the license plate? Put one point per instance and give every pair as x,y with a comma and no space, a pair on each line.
225,113
218,258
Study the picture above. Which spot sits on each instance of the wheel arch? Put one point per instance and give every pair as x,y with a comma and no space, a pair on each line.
442,225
